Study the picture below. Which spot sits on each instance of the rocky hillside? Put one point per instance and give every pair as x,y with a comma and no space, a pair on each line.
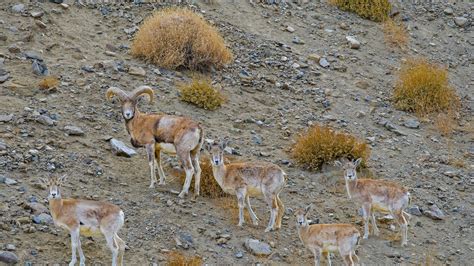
294,67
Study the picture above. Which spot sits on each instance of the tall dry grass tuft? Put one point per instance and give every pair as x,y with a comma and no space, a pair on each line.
444,123
395,33
376,10
200,92
176,258
178,37
321,144
423,88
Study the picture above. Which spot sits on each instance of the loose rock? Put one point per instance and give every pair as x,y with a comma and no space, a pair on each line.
43,218
353,43
257,248
136,71
412,123
460,21
18,8
120,149
434,213
8,257
73,131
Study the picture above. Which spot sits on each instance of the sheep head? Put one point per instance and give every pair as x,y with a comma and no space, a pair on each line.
129,100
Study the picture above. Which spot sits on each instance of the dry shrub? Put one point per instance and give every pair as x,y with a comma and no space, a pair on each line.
176,258
395,33
209,186
376,10
423,88
201,93
49,83
178,37
444,123
321,144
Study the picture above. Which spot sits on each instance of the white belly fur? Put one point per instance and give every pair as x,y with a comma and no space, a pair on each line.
168,148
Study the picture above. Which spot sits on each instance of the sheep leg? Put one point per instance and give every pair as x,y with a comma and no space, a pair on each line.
197,173
374,224
366,212
158,166
252,213
150,151
189,170
241,202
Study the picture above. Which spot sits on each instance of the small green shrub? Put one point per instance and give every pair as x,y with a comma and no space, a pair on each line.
376,10
423,88
201,93
321,144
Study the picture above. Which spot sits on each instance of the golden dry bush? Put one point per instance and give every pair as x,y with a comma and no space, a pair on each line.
423,88
176,258
200,92
395,33
48,83
376,10
178,37
209,186
321,144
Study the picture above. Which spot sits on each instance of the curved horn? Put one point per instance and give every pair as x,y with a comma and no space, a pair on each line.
142,90
114,91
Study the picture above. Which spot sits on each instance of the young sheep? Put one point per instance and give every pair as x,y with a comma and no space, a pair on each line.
328,238
250,179
167,133
377,195
88,218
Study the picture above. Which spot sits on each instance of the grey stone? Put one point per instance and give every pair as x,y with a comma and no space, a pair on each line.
131,30
18,8
45,120
43,218
297,40
239,254
290,29
434,213
8,257
323,62
74,131
415,210
460,21
257,139
257,248
33,55
10,247
3,145
7,181
353,42
184,240
4,77
39,68
136,71
36,207
120,149
6,118
36,14
412,123
448,11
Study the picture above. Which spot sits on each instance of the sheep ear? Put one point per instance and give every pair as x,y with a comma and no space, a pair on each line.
307,209
224,143
357,162
338,163
43,181
62,178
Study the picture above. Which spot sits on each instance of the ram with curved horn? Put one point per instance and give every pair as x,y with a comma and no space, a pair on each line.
162,133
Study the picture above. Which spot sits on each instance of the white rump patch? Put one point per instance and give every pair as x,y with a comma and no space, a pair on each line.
168,148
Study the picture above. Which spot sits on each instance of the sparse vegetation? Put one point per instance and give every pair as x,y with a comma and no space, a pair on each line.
49,83
176,258
321,144
376,10
423,88
201,93
395,33
178,37
444,123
